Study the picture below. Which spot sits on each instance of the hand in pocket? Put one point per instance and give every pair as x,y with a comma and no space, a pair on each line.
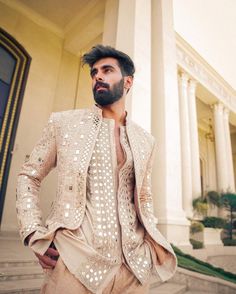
49,259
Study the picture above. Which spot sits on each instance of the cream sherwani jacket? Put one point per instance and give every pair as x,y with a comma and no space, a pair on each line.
67,142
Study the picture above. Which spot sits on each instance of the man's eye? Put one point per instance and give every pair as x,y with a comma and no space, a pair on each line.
108,70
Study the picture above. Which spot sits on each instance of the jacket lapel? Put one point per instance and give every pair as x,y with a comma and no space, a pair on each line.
88,131
141,151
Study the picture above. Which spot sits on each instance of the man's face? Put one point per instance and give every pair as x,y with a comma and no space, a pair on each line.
107,81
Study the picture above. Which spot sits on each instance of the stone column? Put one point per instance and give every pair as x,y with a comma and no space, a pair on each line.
194,140
185,144
110,22
229,155
127,27
220,145
167,182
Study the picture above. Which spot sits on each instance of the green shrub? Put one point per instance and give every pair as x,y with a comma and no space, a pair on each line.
228,200
227,228
229,242
196,227
214,198
200,205
214,222
196,244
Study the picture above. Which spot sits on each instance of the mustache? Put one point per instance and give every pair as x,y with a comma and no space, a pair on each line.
101,84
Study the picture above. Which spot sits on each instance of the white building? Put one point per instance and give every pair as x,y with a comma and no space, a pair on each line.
184,90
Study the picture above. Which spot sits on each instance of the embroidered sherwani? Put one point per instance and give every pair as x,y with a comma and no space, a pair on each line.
105,212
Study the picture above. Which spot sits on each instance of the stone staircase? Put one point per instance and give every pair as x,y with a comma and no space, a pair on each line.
20,273
24,276
19,270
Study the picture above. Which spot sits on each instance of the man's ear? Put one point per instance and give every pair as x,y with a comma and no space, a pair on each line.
128,82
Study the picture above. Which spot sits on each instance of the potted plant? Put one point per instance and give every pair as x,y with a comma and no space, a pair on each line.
212,226
196,231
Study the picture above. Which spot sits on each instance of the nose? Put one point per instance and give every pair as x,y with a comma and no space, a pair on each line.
99,76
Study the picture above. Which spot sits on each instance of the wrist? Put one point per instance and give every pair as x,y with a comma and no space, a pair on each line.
29,237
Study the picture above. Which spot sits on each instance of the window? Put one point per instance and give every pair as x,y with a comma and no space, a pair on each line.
7,67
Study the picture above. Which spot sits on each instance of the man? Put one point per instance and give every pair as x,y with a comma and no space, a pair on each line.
101,223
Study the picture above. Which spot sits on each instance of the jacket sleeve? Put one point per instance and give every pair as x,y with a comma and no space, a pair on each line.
41,161
163,256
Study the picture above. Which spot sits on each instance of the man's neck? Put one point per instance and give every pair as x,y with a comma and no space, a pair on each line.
115,111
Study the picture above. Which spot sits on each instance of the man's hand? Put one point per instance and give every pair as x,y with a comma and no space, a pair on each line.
49,259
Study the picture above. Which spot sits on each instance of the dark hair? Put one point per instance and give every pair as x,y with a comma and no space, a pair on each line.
99,51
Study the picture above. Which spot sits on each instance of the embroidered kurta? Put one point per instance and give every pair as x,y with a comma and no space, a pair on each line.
110,232
69,142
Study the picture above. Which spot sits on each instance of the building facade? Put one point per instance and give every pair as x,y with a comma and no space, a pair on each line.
177,96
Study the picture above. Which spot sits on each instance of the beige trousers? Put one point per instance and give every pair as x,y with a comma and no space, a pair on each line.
61,281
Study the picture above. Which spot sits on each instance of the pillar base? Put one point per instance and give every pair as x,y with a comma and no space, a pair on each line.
176,233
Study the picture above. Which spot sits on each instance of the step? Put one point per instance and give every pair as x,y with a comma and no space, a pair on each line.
22,286
168,288
18,263
20,273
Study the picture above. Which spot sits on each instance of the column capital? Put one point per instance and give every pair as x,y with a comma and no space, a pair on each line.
192,85
218,107
184,76
183,79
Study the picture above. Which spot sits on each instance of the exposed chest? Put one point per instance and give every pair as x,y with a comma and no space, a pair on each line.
120,155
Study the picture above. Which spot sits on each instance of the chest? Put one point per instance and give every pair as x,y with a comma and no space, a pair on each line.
120,155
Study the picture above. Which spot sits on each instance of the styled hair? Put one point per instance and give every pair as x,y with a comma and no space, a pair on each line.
99,51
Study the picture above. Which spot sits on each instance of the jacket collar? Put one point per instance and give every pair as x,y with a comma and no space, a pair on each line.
98,110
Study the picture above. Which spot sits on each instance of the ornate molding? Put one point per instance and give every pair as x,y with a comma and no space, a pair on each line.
34,16
191,62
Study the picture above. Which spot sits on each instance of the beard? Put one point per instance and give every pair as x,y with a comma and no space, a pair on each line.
108,96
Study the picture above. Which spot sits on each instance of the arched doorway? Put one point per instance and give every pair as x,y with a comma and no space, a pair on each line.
14,67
